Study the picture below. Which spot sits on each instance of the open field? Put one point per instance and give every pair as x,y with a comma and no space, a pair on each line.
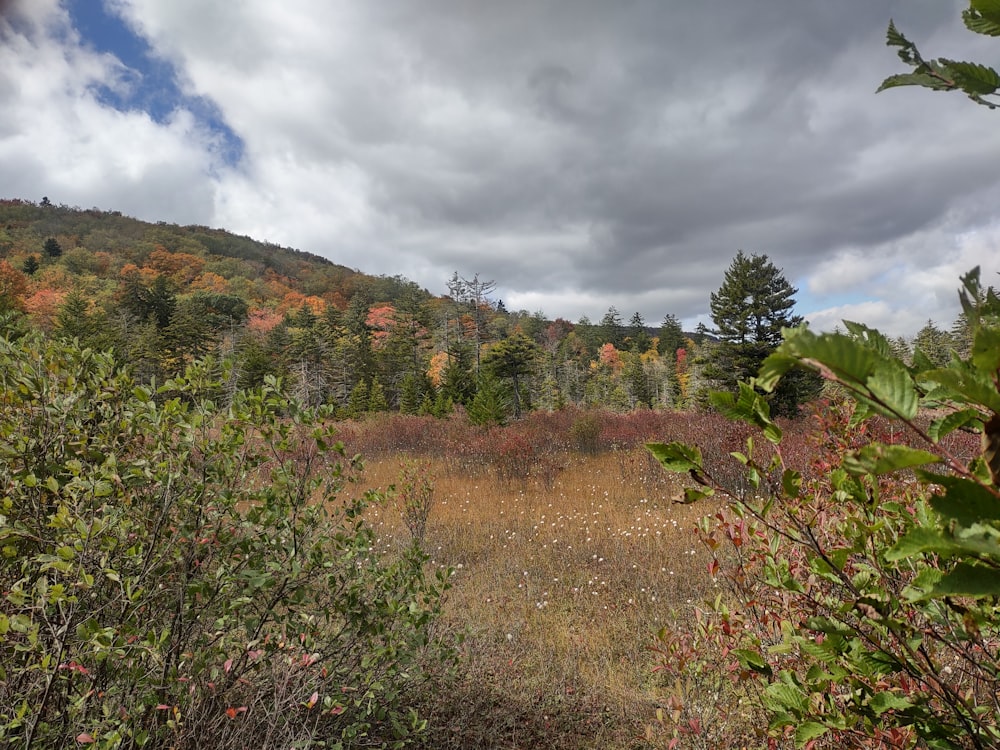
559,585
569,553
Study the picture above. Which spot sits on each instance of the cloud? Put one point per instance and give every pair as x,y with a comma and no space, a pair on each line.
582,154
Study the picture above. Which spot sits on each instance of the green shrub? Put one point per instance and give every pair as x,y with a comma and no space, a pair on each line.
863,604
176,575
585,433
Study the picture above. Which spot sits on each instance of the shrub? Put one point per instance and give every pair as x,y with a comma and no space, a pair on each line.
586,433
413,495
173,576
864,598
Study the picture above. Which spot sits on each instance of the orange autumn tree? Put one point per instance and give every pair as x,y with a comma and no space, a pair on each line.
13,288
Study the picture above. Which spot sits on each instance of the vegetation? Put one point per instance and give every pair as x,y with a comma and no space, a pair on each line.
863,600
189,558
179,574
975,80
751,310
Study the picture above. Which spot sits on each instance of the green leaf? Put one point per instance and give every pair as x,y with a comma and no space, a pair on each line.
912,79
807,731
749,407
882,702
987,8
753,661
891,385
676,456
966,384
870,337
785,696
969,579
883,459
791,482
972,78
907,50
951,422
965,501
694,494
986,350
920,540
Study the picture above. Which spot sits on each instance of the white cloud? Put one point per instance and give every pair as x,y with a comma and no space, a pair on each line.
582,154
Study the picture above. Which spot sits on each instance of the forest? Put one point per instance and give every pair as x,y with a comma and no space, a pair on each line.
162,296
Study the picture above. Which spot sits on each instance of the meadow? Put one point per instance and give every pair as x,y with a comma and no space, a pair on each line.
569,553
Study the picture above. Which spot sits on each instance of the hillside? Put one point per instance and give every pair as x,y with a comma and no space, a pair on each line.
161,295
97,245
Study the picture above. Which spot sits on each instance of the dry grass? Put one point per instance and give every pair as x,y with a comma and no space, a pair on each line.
559,585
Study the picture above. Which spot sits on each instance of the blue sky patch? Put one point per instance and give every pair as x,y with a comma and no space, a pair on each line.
151,84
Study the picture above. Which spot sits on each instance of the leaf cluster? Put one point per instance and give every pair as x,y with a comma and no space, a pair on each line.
869,590
975,80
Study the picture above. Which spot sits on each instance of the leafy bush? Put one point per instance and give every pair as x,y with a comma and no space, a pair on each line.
586,433
864,599
173,575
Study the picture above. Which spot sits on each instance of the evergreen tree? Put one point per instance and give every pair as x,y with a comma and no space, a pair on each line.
30,265
639,339
934,343
513,358
411,395
491,404
671,336
637,382
52,247
187,337
73,319
376,397
357,405
749,310
457,381
612,329
754,302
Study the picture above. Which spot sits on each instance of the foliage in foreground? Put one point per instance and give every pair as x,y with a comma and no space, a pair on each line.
864,602
178,575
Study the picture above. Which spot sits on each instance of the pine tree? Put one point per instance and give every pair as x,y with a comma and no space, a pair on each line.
671,336
639,339
513,358
934,343
754,302
52,247
30,265
490,406
749,310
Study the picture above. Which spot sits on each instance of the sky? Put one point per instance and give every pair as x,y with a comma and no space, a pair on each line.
582,154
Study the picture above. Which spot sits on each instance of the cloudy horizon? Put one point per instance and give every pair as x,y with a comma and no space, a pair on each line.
581,154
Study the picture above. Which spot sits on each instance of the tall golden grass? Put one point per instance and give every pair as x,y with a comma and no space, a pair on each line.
559,584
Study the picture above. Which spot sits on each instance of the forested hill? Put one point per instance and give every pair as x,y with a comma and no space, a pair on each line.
160,296
101,243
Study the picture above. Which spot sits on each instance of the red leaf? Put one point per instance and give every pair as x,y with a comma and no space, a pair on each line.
85,739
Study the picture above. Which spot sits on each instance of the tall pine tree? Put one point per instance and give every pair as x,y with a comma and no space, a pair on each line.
749,310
